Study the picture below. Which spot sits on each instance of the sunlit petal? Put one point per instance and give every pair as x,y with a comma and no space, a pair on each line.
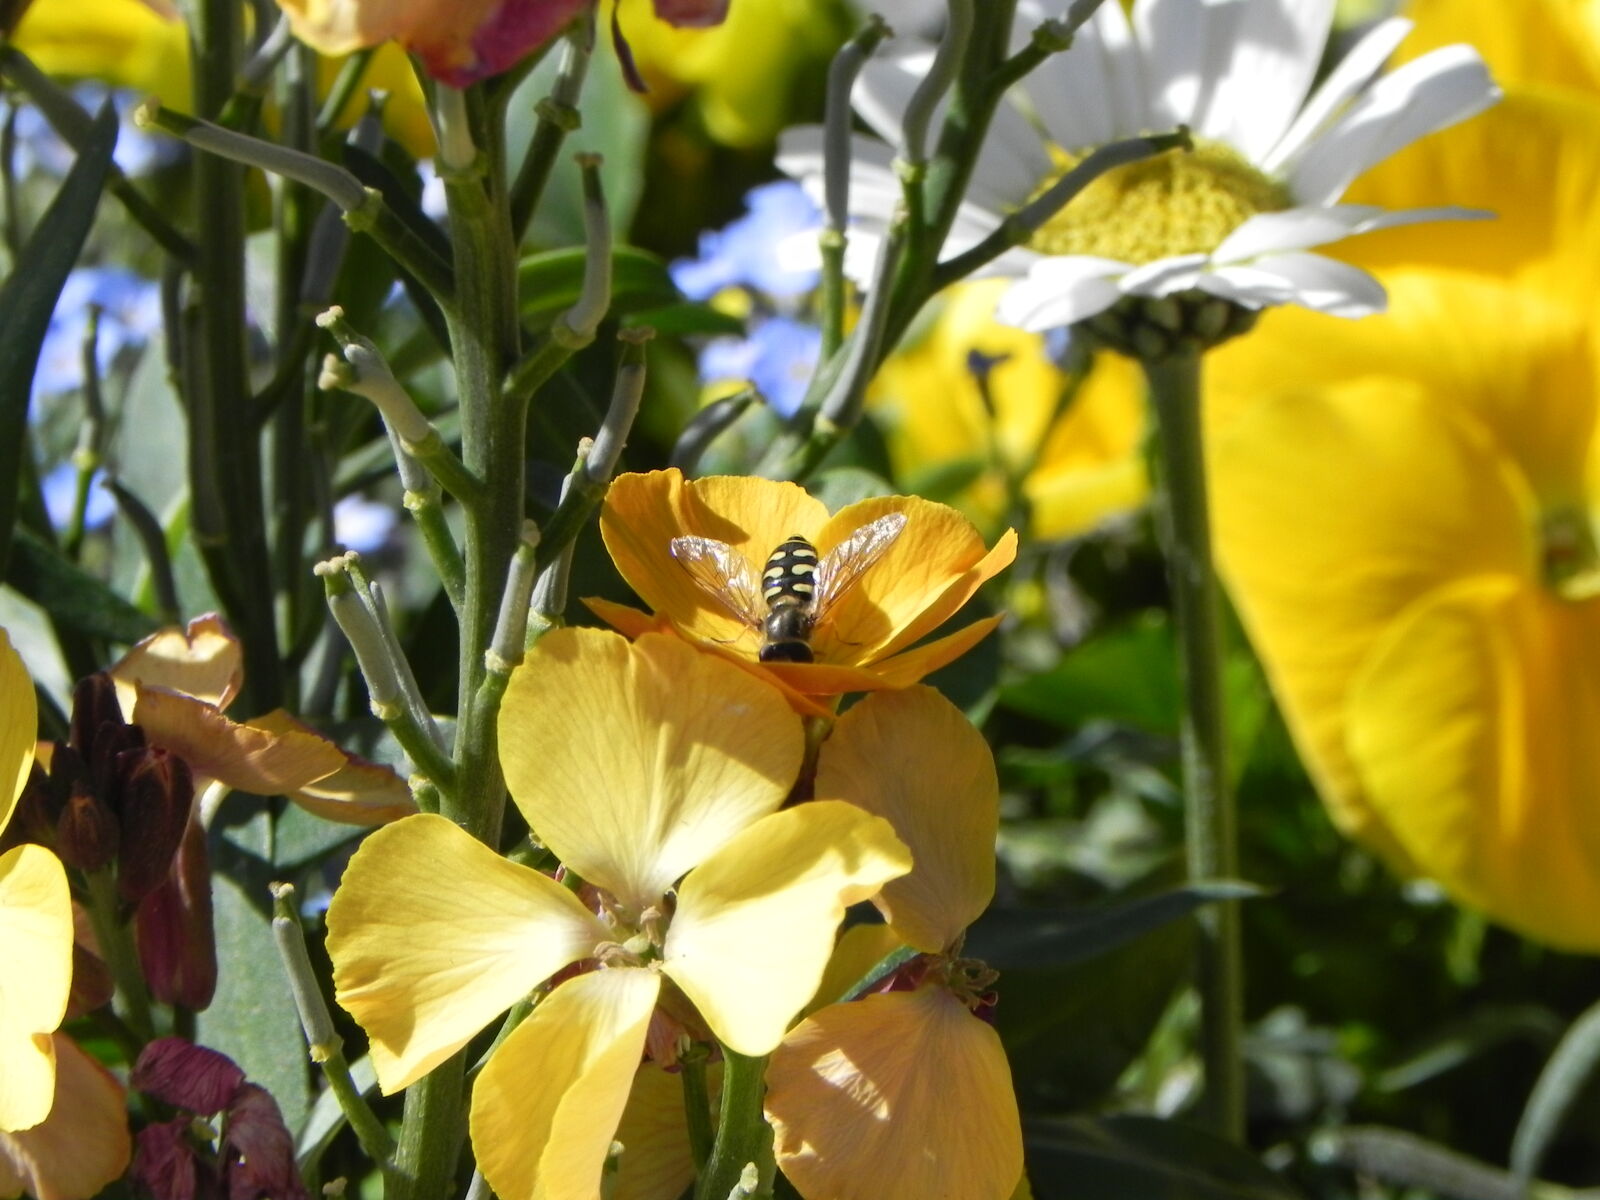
756,921
203,660
546,1107
656,1163
633,761
432,933
899,1096
859,949
913,758
897,671
82,1146
358,793
19,726
36,948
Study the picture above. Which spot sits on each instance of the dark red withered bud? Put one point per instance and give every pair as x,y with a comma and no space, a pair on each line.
86,833
693,14
186,1076
173,929
157,796
92,985
167,1164
257,1155
94,707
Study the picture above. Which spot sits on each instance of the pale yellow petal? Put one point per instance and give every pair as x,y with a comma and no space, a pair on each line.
859,949
756,921
262,760
432,934
19,726
901,1096
36,948
546,1107
204,661
82,1146
634,761
656,1163
358,793
1337,508
915,760
896,671
1472,727
123,42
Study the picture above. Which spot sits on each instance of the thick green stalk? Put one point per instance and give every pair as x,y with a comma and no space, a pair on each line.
742,1132
1209,818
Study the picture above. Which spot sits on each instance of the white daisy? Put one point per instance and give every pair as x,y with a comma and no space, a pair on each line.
1236,217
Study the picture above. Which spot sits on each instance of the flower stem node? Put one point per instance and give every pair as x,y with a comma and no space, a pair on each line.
1156,328
564,117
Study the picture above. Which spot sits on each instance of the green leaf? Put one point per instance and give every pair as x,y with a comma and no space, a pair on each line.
1118,1158
1012,938
29,294
548,283
1562,1082
1127,676
687,319
73,597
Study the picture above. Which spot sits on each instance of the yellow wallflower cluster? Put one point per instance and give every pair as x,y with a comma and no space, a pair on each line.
1406,506
710,839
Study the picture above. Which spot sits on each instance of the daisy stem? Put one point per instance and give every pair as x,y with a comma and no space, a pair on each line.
742,1131
1209,818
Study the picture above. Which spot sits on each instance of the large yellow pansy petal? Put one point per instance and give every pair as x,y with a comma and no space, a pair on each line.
36,948
123,42
1533,41
19,727
547,1104
915,760
432,933
899,1096
1336,509
82,1146
633,761
1472,728
656,1163
203,660
756,921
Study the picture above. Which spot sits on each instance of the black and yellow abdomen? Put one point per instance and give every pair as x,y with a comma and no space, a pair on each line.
788,585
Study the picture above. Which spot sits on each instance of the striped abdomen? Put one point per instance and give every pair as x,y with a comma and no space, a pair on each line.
789,579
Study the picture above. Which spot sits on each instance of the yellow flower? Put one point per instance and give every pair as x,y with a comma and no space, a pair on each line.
655,773
82,1146
1408,532
35,924
976,398
866,640
906,1094
145,47
176,685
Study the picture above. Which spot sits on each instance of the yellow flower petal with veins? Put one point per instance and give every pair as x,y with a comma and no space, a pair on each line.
635,761
432,934
656,1163
546,1107
913,758
1473,726
19,726
858,950
82,1146
358,793
755,922
36,948
900,1096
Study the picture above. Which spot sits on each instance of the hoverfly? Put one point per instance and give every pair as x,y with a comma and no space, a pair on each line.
795,592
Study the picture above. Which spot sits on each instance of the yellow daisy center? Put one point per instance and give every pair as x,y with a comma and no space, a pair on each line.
1571,557
1175,203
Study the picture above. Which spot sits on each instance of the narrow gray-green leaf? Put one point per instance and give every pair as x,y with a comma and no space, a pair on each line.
74,598
1565,1075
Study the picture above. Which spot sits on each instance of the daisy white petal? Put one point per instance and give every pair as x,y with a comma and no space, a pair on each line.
1326,286
1164,276
1293,229
1172,34
1061,291
1276,49
1090,94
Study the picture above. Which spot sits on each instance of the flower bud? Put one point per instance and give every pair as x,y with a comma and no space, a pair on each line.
173,929
86,833
92,984
156,795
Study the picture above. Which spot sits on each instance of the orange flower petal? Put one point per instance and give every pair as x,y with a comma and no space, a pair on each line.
626,619
756,921
432,934
82,1146
656,1163
858,950
634,761
19,725
898,1096
915,760
36,948
203,660
546,1107
248,757
358,793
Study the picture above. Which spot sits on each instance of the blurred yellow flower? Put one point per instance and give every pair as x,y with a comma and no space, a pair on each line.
865,641
656,774
981,405
128,43
906,1094
35,924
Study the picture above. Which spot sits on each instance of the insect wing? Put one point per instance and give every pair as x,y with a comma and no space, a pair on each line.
723,574
843,566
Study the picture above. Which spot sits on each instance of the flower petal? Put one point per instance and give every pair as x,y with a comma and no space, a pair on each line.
1319,568
1093,92
895,1097
635,761
1273,55
82,1146
264,759
358,793
546,1107
19,726
897,671
36,947
1321,284
203,660
859,949
1062,291
432,933
913,758
655,1163
794,871
1469,725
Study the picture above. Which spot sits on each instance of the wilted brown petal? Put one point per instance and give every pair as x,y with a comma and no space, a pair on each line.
186,1076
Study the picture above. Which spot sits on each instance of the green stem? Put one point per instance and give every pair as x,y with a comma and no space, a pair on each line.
1209,811
117,951
742,1130
697,1107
